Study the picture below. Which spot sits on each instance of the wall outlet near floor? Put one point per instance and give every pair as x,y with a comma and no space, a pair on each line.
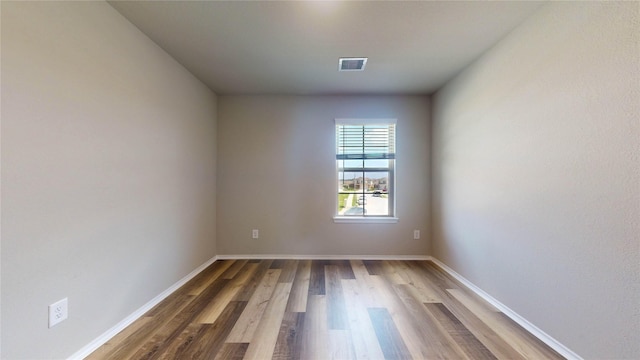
416,234
58,312
254,234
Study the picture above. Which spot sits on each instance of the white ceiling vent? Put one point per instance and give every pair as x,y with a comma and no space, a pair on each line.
352,64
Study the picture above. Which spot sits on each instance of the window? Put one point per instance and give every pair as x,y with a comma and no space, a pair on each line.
365,157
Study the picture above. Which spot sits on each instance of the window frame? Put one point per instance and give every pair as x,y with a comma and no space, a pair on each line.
392,178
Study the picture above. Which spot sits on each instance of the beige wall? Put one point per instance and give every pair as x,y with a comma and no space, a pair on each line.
276,173
536,175
108,173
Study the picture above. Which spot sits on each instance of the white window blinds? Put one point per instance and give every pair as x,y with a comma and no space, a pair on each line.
365,141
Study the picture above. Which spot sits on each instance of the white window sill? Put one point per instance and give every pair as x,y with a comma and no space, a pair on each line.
368,219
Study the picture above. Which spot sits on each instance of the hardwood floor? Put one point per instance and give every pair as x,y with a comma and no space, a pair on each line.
324,309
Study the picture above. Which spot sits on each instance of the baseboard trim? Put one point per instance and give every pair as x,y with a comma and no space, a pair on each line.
102,339
534,330
322,257
544,337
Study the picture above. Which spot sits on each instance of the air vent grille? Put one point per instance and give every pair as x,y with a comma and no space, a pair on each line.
352,64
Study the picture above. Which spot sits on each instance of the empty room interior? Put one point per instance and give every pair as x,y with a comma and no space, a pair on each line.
320,180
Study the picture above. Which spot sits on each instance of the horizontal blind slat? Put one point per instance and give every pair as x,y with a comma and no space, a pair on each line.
365,142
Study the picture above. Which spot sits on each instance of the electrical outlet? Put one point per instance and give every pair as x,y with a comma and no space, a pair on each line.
58,312
416,234
254,234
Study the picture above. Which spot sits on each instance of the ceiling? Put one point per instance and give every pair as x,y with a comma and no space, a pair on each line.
292,47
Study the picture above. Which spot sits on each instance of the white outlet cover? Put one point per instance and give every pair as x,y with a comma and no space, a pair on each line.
416,234
58,312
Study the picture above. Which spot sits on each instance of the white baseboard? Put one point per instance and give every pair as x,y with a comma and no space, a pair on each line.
323,257
100,340
544,337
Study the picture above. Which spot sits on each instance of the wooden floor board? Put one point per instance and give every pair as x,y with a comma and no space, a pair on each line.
316,279
416,284
247,324
143,334
506,328
232,351
266,335
250,286
234,269
460,334
204,279
363,336
344,268
374,267
226,295
419,337
289,341
119,340
340,346
365,284
482,331
288,271
315,333
185,316
336,313
182,342
300,289
440,344
323,309
388,335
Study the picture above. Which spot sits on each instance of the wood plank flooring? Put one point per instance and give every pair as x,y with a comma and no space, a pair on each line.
323,309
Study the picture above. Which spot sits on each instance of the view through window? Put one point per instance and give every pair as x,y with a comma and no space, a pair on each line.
365,155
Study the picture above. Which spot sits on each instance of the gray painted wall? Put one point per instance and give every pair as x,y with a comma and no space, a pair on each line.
537,178
277,169
108,173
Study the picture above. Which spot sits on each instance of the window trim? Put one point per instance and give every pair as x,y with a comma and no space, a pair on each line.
393,177
339,219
